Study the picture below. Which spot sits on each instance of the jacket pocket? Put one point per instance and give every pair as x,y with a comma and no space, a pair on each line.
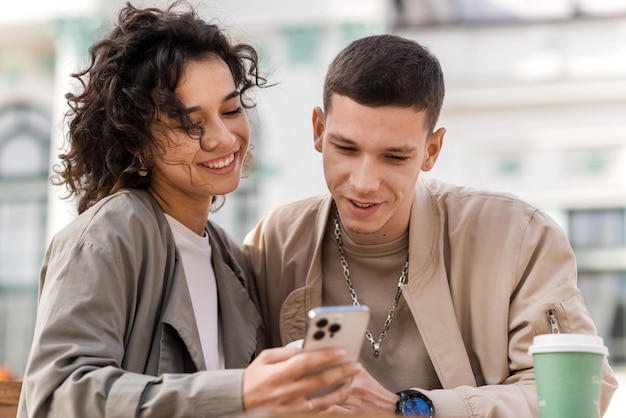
553,320
568,316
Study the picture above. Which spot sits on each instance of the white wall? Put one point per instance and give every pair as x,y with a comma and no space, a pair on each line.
550,96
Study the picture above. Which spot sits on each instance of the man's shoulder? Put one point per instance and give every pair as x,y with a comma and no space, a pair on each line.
484,213
304,208
296,218
466,197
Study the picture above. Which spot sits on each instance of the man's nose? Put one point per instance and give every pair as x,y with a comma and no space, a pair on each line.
365,176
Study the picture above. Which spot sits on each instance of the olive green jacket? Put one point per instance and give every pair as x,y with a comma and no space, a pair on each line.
485,270
116,335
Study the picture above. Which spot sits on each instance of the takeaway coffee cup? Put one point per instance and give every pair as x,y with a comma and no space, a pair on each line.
568,374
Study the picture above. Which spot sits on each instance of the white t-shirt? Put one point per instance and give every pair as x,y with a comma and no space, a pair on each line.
195,251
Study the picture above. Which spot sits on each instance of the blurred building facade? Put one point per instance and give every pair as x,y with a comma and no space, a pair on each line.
535,105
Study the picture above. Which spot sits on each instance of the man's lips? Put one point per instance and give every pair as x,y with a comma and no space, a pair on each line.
362,205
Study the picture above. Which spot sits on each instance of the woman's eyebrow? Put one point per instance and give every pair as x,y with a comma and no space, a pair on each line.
231,95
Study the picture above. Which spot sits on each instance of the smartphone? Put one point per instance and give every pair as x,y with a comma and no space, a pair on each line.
336,326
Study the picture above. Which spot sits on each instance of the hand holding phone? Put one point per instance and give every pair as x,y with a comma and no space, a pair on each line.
336,326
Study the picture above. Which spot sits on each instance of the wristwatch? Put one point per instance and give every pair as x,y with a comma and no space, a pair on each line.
414,403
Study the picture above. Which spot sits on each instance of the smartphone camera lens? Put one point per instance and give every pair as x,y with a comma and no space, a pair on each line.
318,335
334,328
322,323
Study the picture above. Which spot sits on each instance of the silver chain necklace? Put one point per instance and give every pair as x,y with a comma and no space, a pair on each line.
353,296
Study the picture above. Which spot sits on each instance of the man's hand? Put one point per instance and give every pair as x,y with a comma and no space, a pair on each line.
274,380
367,397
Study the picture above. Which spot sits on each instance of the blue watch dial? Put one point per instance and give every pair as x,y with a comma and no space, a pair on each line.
415,403
416,406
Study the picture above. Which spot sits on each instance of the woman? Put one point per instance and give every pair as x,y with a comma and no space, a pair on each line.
143,307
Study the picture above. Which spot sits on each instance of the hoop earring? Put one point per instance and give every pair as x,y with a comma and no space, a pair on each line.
143,171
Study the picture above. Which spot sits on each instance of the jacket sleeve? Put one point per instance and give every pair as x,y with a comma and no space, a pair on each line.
87,317
545,282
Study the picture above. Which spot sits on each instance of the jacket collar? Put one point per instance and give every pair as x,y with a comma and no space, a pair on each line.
238,316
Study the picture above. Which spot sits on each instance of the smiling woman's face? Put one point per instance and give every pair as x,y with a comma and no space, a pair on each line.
188,175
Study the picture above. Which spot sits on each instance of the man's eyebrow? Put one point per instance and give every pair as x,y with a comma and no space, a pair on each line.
347,141
229,96
338,137
401,149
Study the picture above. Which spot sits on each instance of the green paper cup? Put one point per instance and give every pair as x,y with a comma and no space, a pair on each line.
568,374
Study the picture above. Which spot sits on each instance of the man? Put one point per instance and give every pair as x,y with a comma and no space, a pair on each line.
458,281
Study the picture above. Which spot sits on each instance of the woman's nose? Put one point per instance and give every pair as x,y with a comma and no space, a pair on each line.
216,135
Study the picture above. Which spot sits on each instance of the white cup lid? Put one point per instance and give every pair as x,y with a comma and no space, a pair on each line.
555,343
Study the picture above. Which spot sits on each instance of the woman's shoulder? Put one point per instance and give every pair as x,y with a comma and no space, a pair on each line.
124,212
129,200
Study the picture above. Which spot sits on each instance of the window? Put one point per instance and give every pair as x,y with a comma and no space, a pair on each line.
302,44
598,237
24,156
594,228
432,12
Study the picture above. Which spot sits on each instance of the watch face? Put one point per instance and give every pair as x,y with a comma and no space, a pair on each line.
416,406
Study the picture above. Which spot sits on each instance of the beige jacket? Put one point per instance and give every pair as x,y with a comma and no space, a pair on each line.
485,271
116,335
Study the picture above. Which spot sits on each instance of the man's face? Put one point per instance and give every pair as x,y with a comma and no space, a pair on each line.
372,158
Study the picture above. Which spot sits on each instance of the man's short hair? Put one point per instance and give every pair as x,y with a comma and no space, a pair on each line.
387,70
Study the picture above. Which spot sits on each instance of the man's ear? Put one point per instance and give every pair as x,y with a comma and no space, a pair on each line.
318,120
433,148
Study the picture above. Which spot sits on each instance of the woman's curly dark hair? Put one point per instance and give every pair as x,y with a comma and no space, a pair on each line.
131,78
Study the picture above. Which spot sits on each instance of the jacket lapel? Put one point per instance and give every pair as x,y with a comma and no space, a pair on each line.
239,318
428,295
178,313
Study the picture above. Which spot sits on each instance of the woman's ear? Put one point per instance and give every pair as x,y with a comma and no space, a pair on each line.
318,120
433,148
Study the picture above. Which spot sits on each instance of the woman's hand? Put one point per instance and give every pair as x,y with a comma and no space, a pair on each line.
278,380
